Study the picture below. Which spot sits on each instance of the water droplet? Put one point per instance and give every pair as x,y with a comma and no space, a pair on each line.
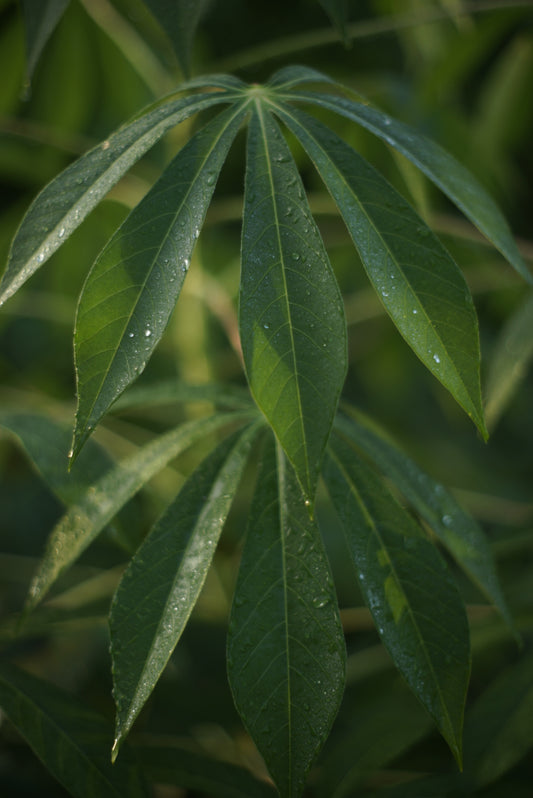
307,503
415,311
386,121
105,145
384,293
436,358
210,180
61,233
147,333
447,520
186,263
266,326
295,256
40,257
130,335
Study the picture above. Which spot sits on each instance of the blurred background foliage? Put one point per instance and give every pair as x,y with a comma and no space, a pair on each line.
461,72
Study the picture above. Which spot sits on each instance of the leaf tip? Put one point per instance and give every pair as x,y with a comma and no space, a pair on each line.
115,748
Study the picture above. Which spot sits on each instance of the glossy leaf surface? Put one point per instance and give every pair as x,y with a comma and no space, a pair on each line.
70,740
415,604
291,316
87,518
163,581
421,287
66,201
458,531
457,182
286,649
133,287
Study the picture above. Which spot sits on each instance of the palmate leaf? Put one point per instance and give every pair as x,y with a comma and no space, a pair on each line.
41,18
85,520
66,201
458,531
70,740
286,653
415,604
418,282
291,316
163,581
133,286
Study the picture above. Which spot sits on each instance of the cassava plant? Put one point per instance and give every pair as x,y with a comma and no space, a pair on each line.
287,433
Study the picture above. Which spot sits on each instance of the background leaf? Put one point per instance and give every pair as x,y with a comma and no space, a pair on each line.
133,287
163,581
337,11
41,18
179,19
285,645
416,279
415,604
291,316
71,741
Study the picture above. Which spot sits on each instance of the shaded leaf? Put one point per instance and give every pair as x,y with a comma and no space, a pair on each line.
193,771
85,520
70,740
41,18
415,604
291,315
64,203
286,654
456,529
462,188
179,19
290,76
174,391
421,287
337,11
163,580
134,284
510,361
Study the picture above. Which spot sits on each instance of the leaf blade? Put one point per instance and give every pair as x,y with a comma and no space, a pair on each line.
180,21
286,654
291,316
41,17
134,284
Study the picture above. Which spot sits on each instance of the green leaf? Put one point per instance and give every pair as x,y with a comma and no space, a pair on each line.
134,284
510,361
85,520
163,581
458,531
415,604
288,77
193,771
462,188
499,727
286,653
41,18
70,740
175,391
179,19
421,287
337,11
65,202
291,315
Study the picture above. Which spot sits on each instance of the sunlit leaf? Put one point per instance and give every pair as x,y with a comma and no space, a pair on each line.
510,361
70,740
65,202
292,324
85,520
163,581
285,644
133,287
179,19
41,18
442,169
457,530
415,604
418,282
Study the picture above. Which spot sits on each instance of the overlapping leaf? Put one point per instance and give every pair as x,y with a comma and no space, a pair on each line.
163,581
457,530
179,19
87,518
71,741
415,604
285,645
417,280
292,324
65,202
132,288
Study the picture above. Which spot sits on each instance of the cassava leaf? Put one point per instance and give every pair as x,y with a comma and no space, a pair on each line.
163,581
87,518
421,287
286,653
179,19
291,315
134,284
288,77
337,11
415,604
458,531
457,182
41,18
65,202
70,740
174,391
